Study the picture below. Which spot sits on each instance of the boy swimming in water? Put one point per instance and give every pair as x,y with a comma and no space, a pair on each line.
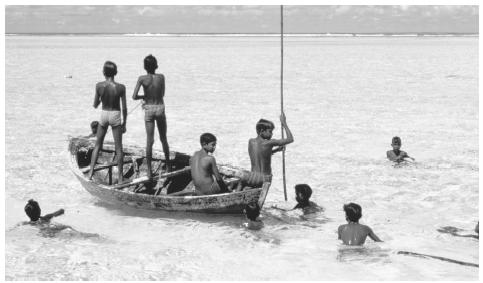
32,209
113,98
260,150
252,211
396,154
154,109
203,168
353,233
303,192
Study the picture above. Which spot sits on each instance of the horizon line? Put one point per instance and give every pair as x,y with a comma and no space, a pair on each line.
347,34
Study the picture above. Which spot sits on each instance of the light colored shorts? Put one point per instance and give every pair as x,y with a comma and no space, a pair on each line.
253,179
153,112
110,118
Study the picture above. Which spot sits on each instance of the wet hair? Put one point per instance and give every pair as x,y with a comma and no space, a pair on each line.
304,190
110,69
396,140
32,209
206,138
94,125
150,64
353,212
263,125
252,211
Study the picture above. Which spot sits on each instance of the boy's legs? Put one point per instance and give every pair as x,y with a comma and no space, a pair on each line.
117,135
101,133
149,145
162,128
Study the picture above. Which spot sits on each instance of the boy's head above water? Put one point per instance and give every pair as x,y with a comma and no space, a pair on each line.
110,69
150,64
396,142
353,212
265,128
208,142
303,192
32,209
252,211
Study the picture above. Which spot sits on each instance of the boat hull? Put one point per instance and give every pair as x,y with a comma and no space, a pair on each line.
227,203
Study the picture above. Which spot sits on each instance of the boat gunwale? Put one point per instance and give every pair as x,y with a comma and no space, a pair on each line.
79,174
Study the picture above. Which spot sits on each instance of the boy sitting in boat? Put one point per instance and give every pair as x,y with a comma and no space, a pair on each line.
84,154
353,233
154,111
260,150
93,134
252,211
203,168
396,154
113,96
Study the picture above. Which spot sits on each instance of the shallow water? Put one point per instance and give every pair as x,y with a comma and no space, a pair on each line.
345,98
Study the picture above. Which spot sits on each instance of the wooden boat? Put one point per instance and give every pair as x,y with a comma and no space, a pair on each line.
135,169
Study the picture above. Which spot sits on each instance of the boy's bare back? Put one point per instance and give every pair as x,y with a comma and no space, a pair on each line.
154,87
355,234
110,94
201,170
260,152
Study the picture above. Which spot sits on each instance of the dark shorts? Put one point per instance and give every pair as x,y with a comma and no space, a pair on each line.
153,112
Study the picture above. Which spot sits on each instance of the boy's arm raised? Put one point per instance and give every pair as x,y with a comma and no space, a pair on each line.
53,214
288,139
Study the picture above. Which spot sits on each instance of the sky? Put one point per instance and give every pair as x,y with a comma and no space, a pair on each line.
241,19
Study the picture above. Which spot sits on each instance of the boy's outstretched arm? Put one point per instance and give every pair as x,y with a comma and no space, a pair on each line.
135,95
373,236
53,214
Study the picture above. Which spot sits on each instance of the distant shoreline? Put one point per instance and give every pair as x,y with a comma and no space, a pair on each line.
253,34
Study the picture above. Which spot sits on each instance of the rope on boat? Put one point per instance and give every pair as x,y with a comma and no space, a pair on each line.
281,99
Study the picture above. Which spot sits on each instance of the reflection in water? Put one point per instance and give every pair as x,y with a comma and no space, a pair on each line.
52,229
367,254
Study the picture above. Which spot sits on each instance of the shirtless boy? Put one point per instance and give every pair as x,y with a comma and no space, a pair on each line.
396,154
203,168
303,192
112,95
32,209
252,211
260,150
94,126
353,233
154,111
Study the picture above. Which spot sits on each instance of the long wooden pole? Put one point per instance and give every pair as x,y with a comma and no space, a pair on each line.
281,98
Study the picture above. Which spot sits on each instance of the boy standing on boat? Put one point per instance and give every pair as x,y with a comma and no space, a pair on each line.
260,150
153,87
112,95
203,168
